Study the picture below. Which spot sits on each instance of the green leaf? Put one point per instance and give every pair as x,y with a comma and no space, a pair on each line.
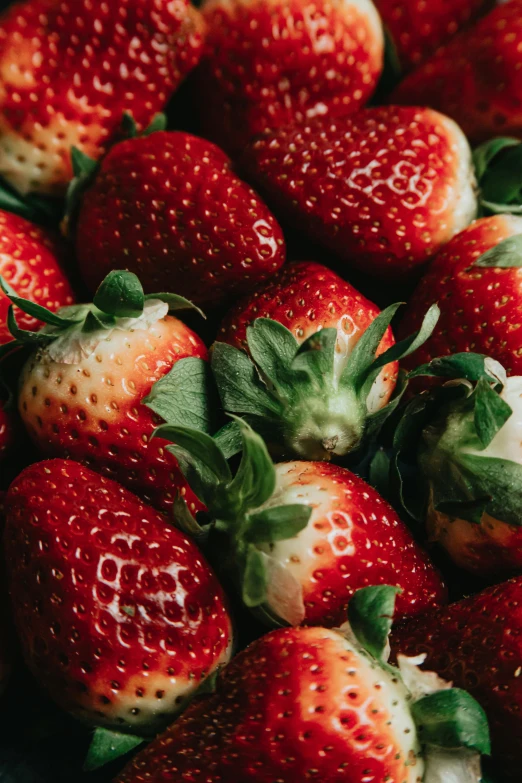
501,183
199,446
497,479
452,719
255,480
491,412
82,165
485,153
506,255
44,210
363,354
273,348
379,474
94,321
24,337
158,123
120,294
238,383
277,523
229,439
184,397
255,579
370,613
470,366
128,126
106,746
315,357
35,310
176,302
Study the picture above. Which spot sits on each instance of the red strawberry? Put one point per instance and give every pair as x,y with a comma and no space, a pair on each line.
30,262
68,72
475,78
118,615
418,29
302,537
477,282
477,643
81,392
268,64
383,189
168,205
313,704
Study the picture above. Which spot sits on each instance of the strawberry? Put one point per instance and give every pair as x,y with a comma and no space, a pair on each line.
477,643
475,78
82,390
300,537
464,440
118,615
169,204
383,189
31,262
325,382
70,70
316,704
269,64
417,29
6,431
477,282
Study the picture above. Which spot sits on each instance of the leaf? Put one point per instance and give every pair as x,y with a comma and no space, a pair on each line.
506,255
229,439
94,323
379,474
363,354
255,480
485,153
273,348
315,357
277,523
199,446
35,310
106,746
498,479
120,294
370,614
176,302
452,719
255,580
128,126
501,183
44,210
24,337
82,164
158,123
470,366
239,386
491,412
184,397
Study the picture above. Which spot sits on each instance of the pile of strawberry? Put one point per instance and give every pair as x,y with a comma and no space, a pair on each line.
224,471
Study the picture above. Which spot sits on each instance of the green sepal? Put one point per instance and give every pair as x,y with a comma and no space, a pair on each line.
486,153
35,310
506,255
273,348
370,614
255,480
240,387
107,746
185,395
379,472
176,302
491,412
499,169
229,439
157,124
469,366
452,719
130,129
276,523
96,321
43,210
315,358
255,578
363,355
120,294
23,336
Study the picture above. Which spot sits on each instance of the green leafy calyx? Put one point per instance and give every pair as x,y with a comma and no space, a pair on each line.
498,169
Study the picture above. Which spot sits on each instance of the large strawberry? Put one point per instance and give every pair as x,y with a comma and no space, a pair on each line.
268,64
476,281
118,615
475,78
31,262
169,207
82,389
298,537
464,442
320,375
315,704
68,72
477,643
383,189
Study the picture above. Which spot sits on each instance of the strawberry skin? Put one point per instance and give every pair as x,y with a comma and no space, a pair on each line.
480,306
69,71
298,704
475,78
383,189
477,643
118,615
269,64
30,262
168,206
92,411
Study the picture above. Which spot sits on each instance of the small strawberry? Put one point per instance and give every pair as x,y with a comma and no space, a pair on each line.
320,375
31,262
383,189
475,78
316,704
299,537
169,206
69,71
268,64
82,391
465,441
476,281
477,643
118,615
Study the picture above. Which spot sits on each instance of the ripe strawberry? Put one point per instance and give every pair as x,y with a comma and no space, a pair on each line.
477,643
383,189
477,282
418,29
475,78
315,704
30,261
118,615
269,64
301,537
81,392
169,205
70,70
